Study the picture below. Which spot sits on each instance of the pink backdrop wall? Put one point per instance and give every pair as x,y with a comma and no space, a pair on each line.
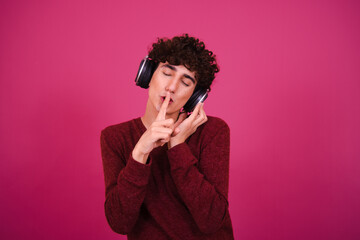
289,89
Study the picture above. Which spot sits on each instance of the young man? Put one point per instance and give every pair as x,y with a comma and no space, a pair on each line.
167,173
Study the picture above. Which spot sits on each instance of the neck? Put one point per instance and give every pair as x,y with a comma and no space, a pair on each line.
151,113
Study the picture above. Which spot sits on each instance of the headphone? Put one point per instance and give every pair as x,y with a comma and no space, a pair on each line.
146,70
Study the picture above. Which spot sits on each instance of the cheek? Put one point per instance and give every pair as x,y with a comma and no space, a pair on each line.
186,94
154,84
152,92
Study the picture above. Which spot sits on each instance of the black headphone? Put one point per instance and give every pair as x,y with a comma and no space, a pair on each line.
146,70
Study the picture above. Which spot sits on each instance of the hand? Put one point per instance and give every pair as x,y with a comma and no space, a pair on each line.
156,135
187,125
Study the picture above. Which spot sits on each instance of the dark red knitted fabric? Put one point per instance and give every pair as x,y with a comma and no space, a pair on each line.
180,194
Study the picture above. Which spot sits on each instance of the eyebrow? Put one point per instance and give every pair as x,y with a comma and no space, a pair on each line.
174,69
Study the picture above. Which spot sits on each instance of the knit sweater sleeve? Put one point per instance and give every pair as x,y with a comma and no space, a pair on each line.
125,183
204,192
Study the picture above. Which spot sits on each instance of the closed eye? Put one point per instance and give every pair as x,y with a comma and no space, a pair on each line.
185,83
166,74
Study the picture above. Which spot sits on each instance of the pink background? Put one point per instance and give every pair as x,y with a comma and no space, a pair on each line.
289,88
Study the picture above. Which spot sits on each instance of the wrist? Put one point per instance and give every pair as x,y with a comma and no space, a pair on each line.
173,142
139,156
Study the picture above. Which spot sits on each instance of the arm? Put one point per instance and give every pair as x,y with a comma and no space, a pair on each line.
126,181
204,191
125,186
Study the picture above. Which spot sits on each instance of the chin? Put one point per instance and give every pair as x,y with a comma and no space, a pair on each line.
158,106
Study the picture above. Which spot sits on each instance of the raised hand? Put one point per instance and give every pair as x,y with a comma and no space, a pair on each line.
156,135
187,126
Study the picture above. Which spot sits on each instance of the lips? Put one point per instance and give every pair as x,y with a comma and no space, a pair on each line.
163,99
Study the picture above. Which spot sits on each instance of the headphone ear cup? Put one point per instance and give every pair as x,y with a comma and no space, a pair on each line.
145,72
199,95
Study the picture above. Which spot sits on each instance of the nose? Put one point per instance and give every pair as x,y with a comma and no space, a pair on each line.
172,85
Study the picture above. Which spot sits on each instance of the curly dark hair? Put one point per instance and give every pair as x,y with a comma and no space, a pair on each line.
190,52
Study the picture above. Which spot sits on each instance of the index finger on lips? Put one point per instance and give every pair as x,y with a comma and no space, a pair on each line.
162,113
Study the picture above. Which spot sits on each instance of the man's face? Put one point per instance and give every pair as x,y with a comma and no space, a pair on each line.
177,80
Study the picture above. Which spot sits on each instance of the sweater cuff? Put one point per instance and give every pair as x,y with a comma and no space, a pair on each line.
181,156
136,173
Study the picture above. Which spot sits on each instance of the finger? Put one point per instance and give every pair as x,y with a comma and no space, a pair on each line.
161,137
164,123
163,130
196,111
162,113
202,118
199,121
176,132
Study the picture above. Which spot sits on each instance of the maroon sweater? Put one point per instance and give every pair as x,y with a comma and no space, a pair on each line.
180,194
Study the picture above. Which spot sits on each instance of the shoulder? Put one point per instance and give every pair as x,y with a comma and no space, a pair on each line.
118,129
213,127
213,134
215,124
